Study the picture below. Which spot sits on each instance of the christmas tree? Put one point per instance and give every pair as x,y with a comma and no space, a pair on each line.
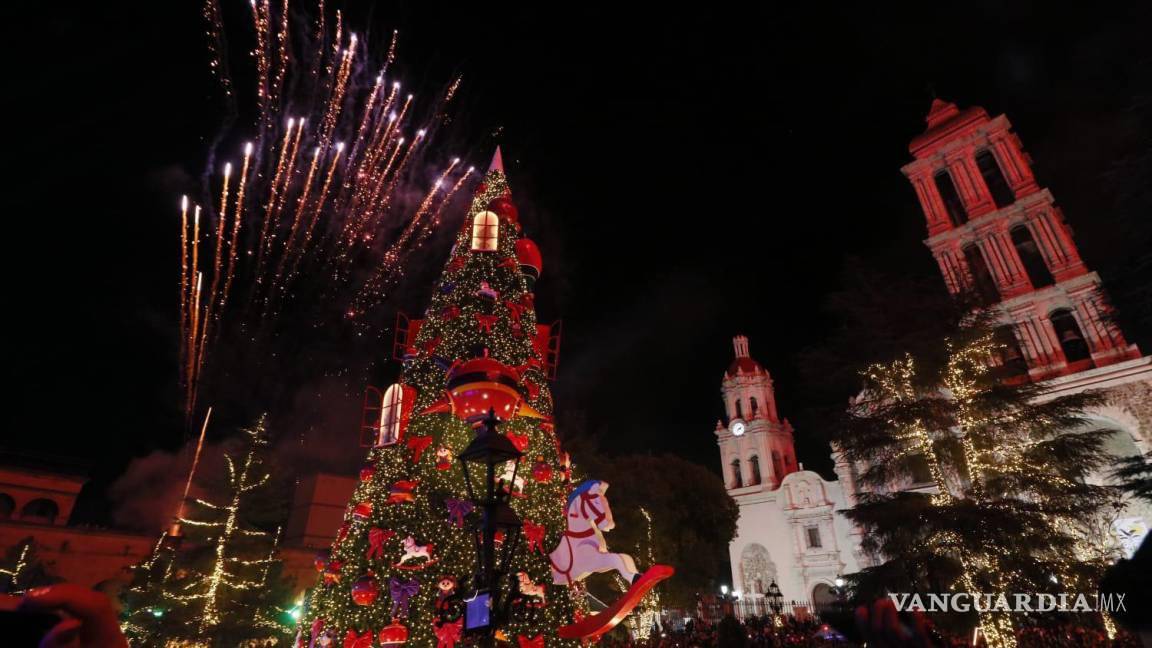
975,482
405,560
213,579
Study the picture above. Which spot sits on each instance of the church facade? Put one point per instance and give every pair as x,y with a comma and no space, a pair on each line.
789,533
997,234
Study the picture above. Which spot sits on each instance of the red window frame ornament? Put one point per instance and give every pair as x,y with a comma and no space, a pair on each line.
386,415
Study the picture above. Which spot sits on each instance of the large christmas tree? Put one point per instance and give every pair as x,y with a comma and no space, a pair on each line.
405,559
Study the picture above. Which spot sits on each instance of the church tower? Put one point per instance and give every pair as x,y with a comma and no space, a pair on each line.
756,445
998,235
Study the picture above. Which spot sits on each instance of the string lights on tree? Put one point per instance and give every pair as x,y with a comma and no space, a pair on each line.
1007,473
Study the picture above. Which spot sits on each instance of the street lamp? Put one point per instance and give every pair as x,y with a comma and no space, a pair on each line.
775,598
724,590
479,460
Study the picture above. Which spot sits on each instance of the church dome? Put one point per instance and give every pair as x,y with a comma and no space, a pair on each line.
743,362
744,365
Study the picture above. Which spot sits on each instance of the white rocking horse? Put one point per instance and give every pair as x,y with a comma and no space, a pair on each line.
582,550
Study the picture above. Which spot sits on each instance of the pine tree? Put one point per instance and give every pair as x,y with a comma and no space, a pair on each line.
219,584
1001,474
412,490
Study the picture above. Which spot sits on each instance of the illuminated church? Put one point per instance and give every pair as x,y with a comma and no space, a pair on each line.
995,232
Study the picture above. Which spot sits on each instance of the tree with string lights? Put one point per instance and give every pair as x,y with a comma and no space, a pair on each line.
972,481
472,397
214,579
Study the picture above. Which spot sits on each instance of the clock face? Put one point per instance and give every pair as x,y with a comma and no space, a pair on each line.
737,427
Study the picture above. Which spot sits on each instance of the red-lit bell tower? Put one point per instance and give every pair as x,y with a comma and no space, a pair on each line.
756,445
998,234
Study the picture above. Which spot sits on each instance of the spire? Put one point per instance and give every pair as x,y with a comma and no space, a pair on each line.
497,162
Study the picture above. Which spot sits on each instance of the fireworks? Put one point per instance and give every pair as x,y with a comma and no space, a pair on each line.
295,219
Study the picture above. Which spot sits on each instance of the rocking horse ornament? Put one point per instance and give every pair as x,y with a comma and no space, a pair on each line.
582,551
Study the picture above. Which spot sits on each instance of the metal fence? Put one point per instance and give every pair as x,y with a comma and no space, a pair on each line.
754,608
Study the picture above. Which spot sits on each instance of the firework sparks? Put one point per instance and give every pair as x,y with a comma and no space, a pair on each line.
308,222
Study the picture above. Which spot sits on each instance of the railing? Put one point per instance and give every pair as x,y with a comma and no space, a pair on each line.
750,608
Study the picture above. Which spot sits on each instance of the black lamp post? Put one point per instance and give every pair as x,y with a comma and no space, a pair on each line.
479,460
775,598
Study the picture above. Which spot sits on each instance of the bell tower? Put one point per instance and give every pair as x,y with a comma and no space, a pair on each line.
999,236
756,445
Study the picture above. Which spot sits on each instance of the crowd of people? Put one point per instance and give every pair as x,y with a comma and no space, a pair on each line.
788,631
753,632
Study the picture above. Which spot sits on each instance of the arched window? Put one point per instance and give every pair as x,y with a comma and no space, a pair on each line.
754,462
7,506
1029,253
40,510
951,198
994,179
739,409
984,284
755,406
485,232
737,477
1009,355
392,416
1070,336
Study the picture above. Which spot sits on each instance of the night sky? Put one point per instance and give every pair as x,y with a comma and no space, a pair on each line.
688,175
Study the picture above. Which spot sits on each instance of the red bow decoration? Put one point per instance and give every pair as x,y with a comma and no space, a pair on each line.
485,322
534,534
342,532
317,626
418,445
534,642
448,633
376,539
519,441
450,312
514,310
352,640
509,262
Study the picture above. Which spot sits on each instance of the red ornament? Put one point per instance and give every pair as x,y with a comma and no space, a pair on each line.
542,471
362,511
505,208
531,263
394,634
366,590
321,560
367,472
342,532
534,642
481,384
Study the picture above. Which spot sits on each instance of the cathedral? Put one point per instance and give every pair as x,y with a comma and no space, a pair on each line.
997,234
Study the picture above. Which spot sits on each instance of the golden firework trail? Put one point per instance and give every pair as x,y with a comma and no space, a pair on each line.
294,228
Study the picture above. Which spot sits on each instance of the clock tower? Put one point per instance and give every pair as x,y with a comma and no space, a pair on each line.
756,445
